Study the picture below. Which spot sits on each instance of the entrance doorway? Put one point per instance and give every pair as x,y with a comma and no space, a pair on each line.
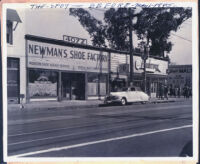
73,86
13,80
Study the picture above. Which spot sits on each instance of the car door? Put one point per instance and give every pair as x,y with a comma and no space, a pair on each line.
126,94
133,95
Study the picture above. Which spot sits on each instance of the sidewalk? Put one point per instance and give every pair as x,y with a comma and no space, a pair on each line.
74,104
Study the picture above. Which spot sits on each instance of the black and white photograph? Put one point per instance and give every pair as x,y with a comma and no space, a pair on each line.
100,80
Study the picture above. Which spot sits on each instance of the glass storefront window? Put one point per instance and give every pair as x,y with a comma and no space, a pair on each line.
42,83
103,86
97,84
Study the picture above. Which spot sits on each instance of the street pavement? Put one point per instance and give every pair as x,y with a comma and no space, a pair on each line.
137,130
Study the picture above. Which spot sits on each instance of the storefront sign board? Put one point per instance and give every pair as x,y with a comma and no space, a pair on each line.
153,66
57,57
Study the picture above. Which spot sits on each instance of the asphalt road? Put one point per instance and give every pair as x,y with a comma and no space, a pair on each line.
138,130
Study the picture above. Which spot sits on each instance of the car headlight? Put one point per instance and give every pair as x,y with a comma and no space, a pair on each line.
112,97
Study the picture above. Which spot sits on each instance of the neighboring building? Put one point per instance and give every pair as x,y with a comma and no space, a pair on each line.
156,72
44,67
180,76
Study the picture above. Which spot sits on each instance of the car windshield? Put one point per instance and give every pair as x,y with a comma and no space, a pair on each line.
125,89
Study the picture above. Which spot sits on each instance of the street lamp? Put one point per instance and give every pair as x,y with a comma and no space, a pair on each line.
144,56
131,17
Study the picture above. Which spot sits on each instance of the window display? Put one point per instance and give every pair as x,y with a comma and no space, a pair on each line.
42,83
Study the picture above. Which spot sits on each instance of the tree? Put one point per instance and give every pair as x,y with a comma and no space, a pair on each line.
95,28
117,32
154,25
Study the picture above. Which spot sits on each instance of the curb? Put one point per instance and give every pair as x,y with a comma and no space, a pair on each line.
80,106
163,101
52,108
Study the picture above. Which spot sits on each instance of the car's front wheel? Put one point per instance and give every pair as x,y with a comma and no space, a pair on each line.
123,101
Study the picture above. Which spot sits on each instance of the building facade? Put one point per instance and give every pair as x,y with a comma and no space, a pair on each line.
180,76
41,68
156,72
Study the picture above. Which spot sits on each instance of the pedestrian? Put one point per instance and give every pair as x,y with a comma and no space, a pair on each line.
171,91
166,92
176,92
187,92
184,91
160,90
179,92
190,91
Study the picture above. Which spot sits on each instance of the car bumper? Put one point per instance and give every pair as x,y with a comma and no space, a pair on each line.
111,101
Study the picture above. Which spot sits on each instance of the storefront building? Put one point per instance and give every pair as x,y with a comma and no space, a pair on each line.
156,72
48,68
180,76
56,71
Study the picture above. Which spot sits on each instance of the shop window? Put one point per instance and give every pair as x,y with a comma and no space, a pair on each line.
97,84
9,32
92,84
42,83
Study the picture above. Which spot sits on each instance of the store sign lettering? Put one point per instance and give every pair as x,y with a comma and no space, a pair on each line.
73,39
47,51
140,65
151,66
63,53
59,57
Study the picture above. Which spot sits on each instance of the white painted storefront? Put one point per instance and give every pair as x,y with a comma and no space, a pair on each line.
44,68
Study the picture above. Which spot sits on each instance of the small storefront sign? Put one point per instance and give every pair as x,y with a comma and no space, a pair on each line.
57,57
124,68
75,40
153,66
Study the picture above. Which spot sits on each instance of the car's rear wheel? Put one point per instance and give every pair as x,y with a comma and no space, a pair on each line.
143,102
123,101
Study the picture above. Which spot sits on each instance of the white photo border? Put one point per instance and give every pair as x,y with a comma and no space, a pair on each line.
195,77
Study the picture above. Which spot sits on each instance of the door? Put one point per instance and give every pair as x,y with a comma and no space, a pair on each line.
134,94
73,86
66,89
13,81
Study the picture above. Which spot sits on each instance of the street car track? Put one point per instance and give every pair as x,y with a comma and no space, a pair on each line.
54,118
136,120
101,131
91,123
97,124
101,141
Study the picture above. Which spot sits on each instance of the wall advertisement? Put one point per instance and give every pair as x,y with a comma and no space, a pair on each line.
153,66
57,57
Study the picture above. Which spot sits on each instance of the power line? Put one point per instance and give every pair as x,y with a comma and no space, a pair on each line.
182,37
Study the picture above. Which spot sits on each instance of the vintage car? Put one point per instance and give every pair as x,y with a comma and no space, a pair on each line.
127,95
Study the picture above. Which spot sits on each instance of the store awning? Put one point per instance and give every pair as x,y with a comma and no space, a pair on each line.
13,16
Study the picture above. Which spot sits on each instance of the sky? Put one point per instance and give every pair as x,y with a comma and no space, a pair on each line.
181,52
56,23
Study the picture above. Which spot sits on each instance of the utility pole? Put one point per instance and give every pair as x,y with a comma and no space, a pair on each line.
131,47
145,55
130,17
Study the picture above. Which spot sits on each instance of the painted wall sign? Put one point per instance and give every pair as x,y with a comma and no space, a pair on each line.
73,39
124,68
50,56
153,66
